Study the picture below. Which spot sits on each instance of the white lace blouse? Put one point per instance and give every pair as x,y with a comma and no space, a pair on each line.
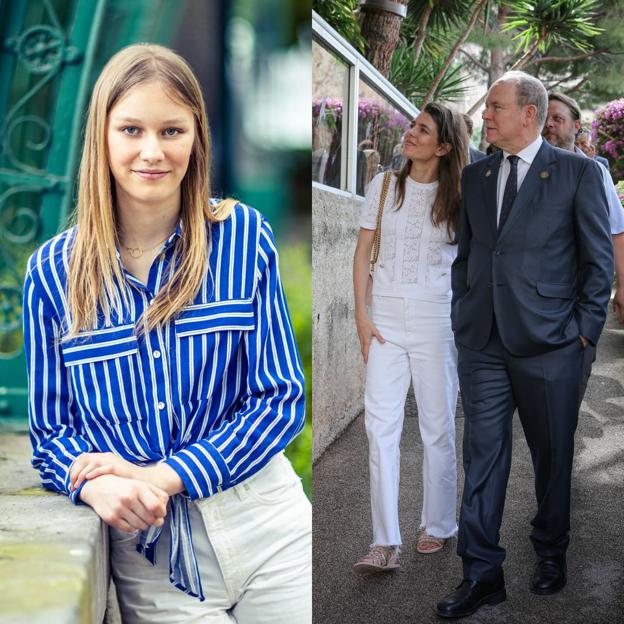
415,257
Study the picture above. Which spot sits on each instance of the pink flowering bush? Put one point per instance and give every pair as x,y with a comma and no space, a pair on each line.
608,135
379,124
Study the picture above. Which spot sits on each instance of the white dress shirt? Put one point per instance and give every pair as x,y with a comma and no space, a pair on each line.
526,157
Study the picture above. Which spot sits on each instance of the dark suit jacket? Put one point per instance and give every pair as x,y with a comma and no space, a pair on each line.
547,276
476,154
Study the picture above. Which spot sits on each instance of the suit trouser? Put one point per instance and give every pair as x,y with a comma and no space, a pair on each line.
419,348
545,389
254,551
589,357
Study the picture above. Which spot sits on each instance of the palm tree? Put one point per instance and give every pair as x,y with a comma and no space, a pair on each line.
381,30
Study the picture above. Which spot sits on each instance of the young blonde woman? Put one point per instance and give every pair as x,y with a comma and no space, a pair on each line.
164,377
407,335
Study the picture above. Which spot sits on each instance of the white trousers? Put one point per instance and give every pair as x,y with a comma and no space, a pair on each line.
419,347
254,550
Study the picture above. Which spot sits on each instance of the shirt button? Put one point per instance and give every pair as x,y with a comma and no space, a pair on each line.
161,405
156,354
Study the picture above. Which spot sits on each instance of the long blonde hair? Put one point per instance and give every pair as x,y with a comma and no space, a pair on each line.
95,276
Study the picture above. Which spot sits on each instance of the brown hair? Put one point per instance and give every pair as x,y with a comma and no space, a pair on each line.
573,107
95,277
451,130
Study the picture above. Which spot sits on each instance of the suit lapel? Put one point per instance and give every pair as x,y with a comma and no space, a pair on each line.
538,173
490,189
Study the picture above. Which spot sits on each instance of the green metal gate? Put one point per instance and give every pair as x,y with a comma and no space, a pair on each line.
50,53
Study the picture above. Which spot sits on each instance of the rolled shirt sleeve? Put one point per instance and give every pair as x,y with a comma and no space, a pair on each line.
370,207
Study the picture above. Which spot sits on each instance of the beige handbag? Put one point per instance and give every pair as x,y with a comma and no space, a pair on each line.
377,237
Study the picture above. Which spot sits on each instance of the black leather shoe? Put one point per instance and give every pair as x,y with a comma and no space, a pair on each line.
549,576
469,596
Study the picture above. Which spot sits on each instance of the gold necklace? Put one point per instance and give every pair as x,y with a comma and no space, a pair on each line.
137,252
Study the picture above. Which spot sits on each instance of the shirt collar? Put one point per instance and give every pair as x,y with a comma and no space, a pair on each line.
529,153
176,233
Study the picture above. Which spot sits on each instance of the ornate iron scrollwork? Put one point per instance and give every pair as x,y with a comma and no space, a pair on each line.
42,50
18,224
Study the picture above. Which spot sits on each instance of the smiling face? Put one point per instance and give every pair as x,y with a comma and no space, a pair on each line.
421,142
561,127
150,139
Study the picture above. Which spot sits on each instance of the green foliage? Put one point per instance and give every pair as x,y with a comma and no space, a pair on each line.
445,15
296,271
619,187
445,23
553,22
339,14
600,76
414,80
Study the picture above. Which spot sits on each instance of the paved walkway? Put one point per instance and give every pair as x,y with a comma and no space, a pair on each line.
595,590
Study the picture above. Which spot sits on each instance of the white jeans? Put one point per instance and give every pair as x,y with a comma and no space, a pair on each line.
419,346
253,547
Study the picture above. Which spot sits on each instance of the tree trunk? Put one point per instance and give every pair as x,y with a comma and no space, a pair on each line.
381,31
421,33
438,79
497,67
497,55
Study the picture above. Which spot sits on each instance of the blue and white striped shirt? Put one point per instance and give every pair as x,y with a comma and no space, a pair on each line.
215,392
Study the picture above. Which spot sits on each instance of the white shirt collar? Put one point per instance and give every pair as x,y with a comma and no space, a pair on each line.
529,152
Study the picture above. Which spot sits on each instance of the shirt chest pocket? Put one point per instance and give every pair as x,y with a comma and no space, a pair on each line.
209,338
102,365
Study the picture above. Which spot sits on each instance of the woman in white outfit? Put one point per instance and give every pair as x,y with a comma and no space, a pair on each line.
406,334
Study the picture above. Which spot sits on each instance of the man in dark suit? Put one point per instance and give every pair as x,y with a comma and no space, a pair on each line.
531,285
563,124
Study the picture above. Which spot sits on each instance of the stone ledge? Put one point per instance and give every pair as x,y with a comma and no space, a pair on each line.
53,554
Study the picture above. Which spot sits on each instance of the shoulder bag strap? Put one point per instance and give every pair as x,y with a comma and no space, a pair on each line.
377,237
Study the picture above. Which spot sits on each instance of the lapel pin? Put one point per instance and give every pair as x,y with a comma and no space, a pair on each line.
544,175
488,173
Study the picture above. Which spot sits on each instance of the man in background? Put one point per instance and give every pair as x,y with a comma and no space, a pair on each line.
475,154
562,125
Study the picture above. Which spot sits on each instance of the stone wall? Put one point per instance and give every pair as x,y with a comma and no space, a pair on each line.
337,368
53,554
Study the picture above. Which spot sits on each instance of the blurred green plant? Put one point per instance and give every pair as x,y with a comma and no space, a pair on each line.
540,24
296,271
340,15
619,187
